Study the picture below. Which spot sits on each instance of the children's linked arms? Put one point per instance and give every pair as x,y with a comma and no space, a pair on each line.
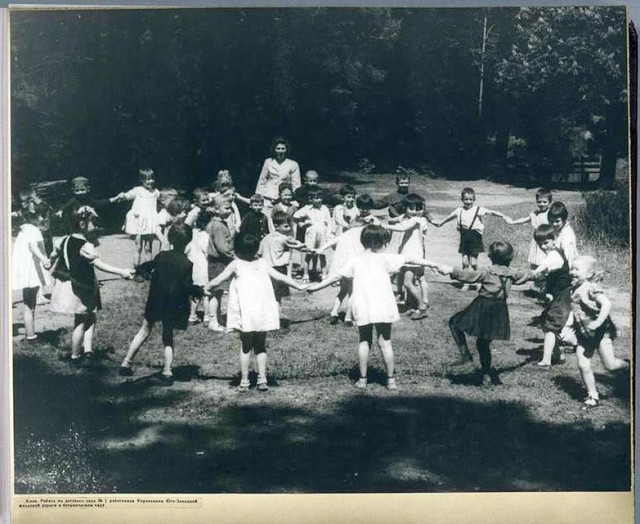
497,214
275,275
325,283
517,221
451,217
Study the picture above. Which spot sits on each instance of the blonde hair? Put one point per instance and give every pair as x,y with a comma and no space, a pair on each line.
591,264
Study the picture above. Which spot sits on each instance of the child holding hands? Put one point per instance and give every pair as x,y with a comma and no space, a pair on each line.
252,308
591,324
374,305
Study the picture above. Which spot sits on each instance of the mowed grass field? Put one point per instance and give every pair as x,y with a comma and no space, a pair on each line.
89,430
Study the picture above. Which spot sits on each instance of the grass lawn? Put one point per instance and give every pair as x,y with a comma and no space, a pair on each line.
89,430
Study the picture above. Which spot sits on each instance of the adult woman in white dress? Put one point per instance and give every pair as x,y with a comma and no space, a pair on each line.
275,170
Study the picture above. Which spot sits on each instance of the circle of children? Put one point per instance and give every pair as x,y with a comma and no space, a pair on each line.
205,243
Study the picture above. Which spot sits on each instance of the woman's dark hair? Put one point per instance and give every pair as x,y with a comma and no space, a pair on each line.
364,201
246,246
279,140
501,252
179,236
543,233
558,210
374,237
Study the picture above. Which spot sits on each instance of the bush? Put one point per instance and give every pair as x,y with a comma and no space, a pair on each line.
605,215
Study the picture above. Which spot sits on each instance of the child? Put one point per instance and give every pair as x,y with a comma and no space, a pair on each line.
275,249
373,301
316,220
284,204
537,218
413,226
224,187
252,308
470,223
196,252
168,300
141,220
487,317
565,237
29,265
219,255
31,203
347,246
164,218
201,200
591,324
80,294
555,267
81,188
255,221
345,214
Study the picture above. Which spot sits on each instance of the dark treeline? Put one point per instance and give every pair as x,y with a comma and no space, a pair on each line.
457,92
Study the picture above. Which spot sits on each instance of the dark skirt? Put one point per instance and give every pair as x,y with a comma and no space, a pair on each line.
165,309
470,243
590,340
555,315
484,318
280,289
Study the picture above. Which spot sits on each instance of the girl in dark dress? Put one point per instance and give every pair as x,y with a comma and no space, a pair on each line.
168,301
487,317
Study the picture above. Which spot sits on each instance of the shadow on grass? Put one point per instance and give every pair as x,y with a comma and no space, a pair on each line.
76,433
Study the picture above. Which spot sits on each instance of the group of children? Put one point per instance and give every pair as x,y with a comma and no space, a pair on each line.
206,243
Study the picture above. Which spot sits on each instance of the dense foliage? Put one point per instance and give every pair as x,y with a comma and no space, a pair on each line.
190,91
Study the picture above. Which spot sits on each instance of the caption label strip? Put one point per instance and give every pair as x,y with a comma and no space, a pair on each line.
55,502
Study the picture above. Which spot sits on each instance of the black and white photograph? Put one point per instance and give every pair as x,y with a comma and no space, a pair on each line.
322,250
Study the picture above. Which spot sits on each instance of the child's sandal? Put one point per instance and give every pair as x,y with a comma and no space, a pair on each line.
591,402
362,383
391,383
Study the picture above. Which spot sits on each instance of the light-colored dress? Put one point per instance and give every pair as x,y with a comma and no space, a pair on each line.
536,255
412,240
252,302
196,252
343,215
317,232
566,240
348,247
372,298
27,270
142,218
273,173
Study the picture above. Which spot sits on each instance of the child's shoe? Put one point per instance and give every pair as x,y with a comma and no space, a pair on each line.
362,383
125,371
419,314
166,380
305,280
192,321
214,326
32,338
334,320
205,321
348,322
391,383
591,402
244,386
262,385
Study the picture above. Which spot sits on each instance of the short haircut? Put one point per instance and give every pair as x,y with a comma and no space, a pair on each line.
224,174
80,182
178,205
179,236
413,200
544,192
146,172
543,233
199,192
311,172
27,192
314,192
374,237
501,252
347,190
257,198
364,201
284,186
204,217
279,218
467,191
218,200
168,192
558,210
80,215
246,245
403,176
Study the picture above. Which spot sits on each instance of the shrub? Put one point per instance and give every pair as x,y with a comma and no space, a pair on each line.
605,216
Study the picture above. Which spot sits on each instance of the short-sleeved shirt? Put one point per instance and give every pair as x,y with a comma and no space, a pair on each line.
566,240
372,298
465,220
495,281
27,269
274,249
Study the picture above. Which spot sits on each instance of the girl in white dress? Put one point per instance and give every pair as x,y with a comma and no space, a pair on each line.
252,309
196,252
373,302
142,219
28,270
537,218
